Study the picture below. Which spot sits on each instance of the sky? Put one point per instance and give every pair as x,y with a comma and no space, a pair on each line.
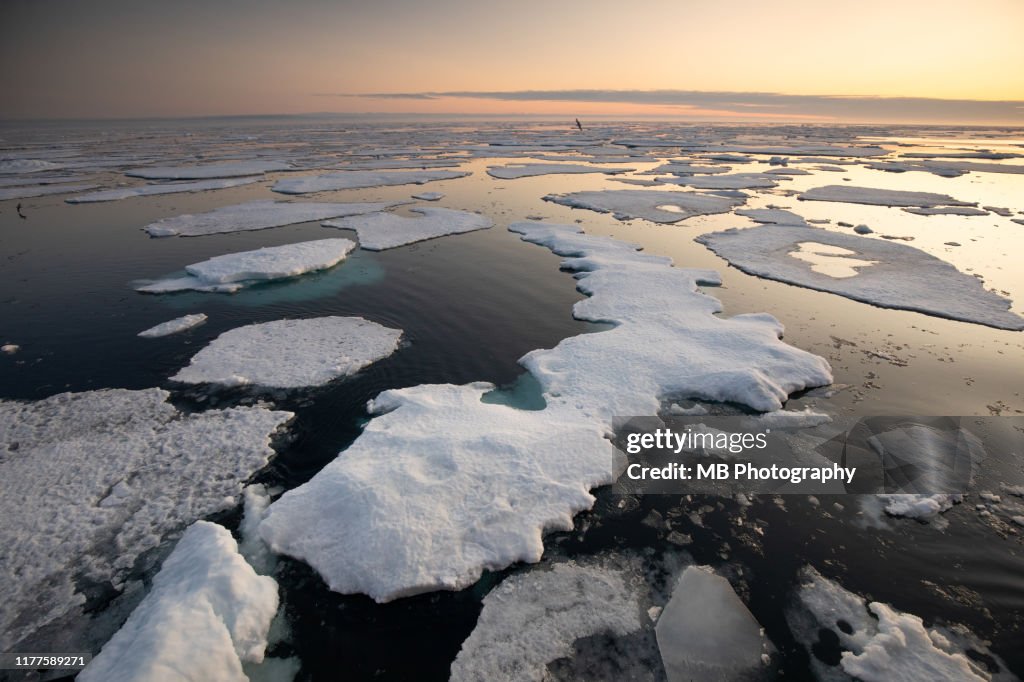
796,60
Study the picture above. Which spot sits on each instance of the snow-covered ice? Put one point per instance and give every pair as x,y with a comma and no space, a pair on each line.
231,169
441,485
163,188
534,618
362,179
379,231
878,643
706,632
918,506
234,271
132,471
880,197
178,324
900,277
208,611
529,170
291,353
259,215
626,204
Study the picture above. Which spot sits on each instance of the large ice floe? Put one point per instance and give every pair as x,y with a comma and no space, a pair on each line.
379,231
653,205
232,169
880,197
259,215
534,618
291,353
529,170
27,192
728,181
90,481
361,179
234,271
207,613
885,274
175,326
163,188
849,638
441,485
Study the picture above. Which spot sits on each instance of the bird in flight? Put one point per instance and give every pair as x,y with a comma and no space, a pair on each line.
579,125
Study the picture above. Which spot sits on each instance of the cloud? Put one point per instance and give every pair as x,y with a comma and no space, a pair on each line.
780,105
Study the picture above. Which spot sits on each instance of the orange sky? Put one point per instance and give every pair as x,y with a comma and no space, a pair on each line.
135,58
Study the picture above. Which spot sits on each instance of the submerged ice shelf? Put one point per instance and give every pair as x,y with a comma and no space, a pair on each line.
441,485
132,471
379,231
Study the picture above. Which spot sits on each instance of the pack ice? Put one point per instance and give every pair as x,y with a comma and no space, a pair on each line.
207,613
653,205
258,215
291,353
379,231
234,271
131,470
441,485
362,179
900,277
529,170
231,169
164,188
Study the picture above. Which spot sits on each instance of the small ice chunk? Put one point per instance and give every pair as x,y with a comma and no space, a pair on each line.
428,196
650,205
362,179
166,188
921,507
234,271
947,210
258,215
863,229
291,353
256,499
10,348
232,169
529,170
379,231
706,632
208,612
174,326
880,197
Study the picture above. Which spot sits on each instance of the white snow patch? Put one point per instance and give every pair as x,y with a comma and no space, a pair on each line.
291,353
179,324
208,612
233,169
362,179
379,231
166,188
626,204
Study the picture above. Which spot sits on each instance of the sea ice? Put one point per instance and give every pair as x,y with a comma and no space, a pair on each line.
291,353
529,170
232,169
875,642
27,166
915,506
164,188
258,215
626,204
132,470
901,277
685,168
25,192
729,181
428,196
947,210
706,633
234,271
771,216
379,231
207,612
174,326
880,197
534,618
362,179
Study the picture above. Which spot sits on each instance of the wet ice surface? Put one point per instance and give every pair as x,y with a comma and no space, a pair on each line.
890,361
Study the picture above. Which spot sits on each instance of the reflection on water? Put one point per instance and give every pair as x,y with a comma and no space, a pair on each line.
833,261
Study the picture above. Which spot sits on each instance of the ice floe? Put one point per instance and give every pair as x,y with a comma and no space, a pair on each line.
174,326
899,276
428,196
706,633
11,166
259,215
362,179
947,210
534,618
291,353
684,168
917,506
132,470
165,188
771,216
234,271
728,181
655,206
207,613
848,637
441,485
880,197
233,169
26,192
379,231
529,170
